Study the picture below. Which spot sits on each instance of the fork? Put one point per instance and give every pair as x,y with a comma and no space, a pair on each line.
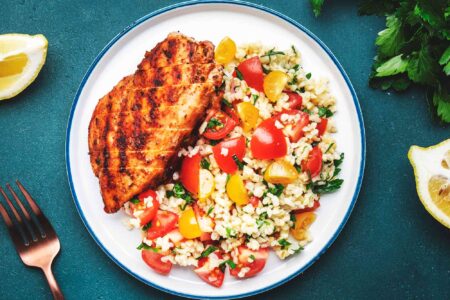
35,239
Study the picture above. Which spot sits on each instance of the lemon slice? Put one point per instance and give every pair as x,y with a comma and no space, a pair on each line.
432,171
206,184
21,58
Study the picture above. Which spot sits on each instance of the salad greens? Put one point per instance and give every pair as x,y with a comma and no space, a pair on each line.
413,49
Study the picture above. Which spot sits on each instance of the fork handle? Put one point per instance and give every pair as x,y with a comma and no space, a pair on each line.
54,287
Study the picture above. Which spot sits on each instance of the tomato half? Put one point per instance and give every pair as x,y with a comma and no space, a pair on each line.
252,72
302,223
322,126
307,209
296,132
153,260
224,152
268,141
150,212
163,223
190,173
313,164
213,277
254,201
260,257
295,100
219,125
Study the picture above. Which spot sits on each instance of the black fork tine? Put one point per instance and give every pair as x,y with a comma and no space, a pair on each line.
25,213
15,231
48,228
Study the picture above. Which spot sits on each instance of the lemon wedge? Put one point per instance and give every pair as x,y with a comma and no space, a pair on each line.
432,172
21,58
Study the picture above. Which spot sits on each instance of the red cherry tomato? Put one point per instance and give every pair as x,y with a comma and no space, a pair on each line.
231,111
297,128
295,100
322,126
153,260
224,152
213,277
163,223
313,164
268,141
254,201
148,213
307,209
252,72
260,257
190,173
226,125
206,237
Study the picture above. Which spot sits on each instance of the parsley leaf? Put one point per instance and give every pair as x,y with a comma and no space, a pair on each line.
284,243
308,76
205,164
328,187
228,262
239,74
135,201
255,98
316,6
207,252
213,123
146,247
209,210
226,103
239,163
146,226
325,112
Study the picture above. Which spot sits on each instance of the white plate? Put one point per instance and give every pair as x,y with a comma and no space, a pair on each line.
211,20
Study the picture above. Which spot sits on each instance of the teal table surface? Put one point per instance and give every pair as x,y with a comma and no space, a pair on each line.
390,247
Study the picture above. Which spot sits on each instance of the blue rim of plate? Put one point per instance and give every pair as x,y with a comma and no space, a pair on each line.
231,2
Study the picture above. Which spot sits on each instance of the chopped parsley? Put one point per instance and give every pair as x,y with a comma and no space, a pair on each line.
284,244
271,53
262,220
230,232
213,123
208,251
179,192
293,219
329,147
239,74
146,247
293,49
252,257
298,168
265,70
325,112
300,90
308,76
228,262
135,201
146,226
300,249
226,103
277,190
329,185
205,164
239,163
296,67
255,98
209,210
293,81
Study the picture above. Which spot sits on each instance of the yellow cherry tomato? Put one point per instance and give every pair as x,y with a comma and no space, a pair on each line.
274,84
206,182
248,114
302,223
280,171
225,51
236,190
188,225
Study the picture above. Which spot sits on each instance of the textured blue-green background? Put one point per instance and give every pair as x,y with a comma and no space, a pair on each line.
390,248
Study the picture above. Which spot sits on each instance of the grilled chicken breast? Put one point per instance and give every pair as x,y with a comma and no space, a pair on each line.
137,129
